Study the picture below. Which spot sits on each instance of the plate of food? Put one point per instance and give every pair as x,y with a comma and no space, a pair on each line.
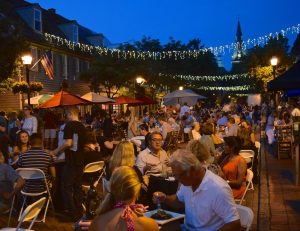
163,216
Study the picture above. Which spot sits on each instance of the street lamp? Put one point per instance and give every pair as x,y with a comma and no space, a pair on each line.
27,59
274,62
180,88
140,80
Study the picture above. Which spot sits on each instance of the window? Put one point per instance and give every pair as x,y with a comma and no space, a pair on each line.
65,66
75,33
37,20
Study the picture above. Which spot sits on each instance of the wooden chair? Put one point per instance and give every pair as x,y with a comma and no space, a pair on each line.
284,140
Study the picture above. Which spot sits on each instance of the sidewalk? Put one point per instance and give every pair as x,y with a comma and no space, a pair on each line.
278,196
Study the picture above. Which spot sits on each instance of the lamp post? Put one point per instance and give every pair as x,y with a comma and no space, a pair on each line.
274,62
139,80
27,59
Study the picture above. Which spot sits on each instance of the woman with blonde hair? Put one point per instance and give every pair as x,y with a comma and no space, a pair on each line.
123,155
203,155
118,211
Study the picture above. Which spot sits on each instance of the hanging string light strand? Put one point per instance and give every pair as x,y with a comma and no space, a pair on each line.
158,55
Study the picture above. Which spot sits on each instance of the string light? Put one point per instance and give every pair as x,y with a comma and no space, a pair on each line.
158,55
207,77
231,88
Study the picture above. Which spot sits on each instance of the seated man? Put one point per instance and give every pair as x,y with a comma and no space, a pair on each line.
36,157
8,177
153,159
165,127
207,198
144,131
232,127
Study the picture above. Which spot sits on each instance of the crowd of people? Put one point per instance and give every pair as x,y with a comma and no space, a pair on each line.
208,167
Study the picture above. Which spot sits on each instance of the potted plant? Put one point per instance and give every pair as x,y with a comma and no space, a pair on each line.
20,86
36,86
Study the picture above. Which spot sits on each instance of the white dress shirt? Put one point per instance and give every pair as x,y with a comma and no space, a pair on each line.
156,161
210,206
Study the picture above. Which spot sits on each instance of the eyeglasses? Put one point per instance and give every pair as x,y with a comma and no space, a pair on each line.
156,140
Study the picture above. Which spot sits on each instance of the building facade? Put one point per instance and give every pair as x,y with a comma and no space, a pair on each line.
67,63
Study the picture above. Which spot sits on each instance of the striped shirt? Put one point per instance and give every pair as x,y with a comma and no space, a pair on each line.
35,158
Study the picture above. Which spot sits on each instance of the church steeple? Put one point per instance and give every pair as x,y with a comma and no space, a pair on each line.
238,48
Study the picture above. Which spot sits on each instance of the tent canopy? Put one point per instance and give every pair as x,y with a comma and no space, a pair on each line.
96,98
182,96
288,80
39,99
145,101
126,100
63,98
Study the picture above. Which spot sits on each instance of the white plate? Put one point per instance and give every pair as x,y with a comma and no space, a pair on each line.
176,216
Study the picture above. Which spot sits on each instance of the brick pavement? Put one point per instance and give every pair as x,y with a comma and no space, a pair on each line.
279,197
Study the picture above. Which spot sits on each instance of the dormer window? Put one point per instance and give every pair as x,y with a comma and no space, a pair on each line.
37,20
75,33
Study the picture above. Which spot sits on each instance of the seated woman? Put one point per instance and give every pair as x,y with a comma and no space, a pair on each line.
118,211
105,143
203,155
92,149
124,156
196,131
234,166
22,145
206,139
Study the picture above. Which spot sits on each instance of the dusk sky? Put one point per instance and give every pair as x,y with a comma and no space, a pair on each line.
214,22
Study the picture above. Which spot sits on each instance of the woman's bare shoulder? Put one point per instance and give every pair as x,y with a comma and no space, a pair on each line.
145,224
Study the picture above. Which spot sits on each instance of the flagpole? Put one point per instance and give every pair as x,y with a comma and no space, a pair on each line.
33,66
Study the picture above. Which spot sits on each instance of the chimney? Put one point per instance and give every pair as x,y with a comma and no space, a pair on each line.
52,10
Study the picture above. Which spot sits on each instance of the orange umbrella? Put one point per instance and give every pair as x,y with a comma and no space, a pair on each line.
126,100
63,98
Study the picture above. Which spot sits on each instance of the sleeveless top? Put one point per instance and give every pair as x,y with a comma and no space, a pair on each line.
127,213
230,170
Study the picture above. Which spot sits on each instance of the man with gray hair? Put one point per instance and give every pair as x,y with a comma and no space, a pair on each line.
207,198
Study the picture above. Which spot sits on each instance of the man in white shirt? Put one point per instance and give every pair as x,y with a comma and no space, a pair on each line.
153,159
207,198
185,108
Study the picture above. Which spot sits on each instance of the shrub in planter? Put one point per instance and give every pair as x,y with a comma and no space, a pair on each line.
20,86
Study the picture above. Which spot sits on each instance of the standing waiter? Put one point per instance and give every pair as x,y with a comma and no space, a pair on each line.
74,136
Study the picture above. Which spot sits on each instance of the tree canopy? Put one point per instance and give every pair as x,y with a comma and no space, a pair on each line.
12,44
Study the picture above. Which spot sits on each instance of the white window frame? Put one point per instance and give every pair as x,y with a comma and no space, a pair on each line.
37,19
75,33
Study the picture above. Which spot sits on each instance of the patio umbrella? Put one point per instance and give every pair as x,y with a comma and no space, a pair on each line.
145,101
96,98
182,96
39,99
127,100
63,98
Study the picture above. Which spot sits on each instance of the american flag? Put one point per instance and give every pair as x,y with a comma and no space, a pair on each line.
46,61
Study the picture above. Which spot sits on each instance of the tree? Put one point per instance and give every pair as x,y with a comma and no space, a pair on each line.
296,47
257,60
110,72
12,44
